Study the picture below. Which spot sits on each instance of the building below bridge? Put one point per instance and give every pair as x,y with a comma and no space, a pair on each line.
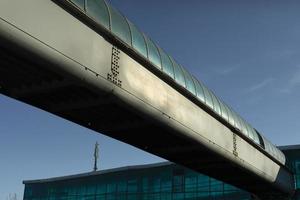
161,181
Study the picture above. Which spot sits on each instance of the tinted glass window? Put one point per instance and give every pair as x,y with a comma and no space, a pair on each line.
179,77
97,10
167,65
101,189
178,183
119,26
216,103
203,186
190,187
199,90
208,98
153,54
79,3
122,186
138,41
189,82
91,189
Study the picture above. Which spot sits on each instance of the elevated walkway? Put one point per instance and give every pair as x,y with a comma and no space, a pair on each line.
55,60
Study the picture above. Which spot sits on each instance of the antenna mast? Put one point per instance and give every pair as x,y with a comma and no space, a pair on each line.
96,156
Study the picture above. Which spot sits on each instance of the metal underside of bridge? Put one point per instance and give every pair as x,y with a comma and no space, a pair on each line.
30,82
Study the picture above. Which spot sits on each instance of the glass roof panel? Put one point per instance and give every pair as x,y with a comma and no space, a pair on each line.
256,138
217,108
119,26
230,115
243,126
179,77
189,82
276,152
250,132
236,121
223,111
199,90
79,3
153,53
138,41
268,148
208,98
273,150
97,10
167,65
267,145
282,157
261,140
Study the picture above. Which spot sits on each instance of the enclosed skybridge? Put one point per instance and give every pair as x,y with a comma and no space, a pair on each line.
84,61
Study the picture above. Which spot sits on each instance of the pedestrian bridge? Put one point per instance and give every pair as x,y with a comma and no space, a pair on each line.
84,61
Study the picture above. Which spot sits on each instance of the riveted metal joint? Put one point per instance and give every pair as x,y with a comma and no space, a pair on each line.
115,59
235,145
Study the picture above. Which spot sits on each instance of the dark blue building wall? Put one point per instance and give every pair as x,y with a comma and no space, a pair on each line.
164,181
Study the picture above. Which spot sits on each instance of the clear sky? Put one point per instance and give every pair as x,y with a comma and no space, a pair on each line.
247,52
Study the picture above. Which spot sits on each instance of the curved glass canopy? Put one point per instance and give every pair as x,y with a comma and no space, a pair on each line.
97,10
122,29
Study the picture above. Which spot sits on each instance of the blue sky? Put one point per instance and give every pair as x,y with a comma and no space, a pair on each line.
247,52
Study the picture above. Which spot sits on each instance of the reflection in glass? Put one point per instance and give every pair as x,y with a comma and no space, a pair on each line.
119,26
79,3
223,111
167,65
167,182
179,77
208,98
97,10
153,54
138,41
216,103
199,90
189,82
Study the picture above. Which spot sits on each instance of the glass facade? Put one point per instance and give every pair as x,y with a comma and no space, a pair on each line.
124,31
292,154
163,181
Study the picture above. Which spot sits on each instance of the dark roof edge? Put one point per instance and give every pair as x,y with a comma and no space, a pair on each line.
106,171
289,147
